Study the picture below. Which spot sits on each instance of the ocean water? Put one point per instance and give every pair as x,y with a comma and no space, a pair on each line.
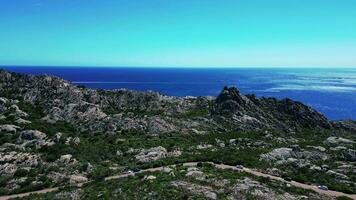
330,91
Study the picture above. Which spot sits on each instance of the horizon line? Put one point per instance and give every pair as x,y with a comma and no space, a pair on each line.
176,67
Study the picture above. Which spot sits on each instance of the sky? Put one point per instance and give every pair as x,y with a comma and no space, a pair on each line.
178,33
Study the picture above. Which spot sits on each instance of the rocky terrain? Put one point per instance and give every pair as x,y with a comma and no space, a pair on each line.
54,133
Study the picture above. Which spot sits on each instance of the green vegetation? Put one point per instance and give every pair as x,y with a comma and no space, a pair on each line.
162,187
113,153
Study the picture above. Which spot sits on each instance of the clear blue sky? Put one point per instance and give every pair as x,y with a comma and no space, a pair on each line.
177,33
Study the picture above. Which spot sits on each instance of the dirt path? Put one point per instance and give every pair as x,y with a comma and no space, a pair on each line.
29,193
192,164
294,183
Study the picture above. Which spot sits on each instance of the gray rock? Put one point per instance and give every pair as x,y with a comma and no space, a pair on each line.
151,154
22,121
149,178
76,179
278,154
196,174
32,135
337,175
3,100
207,191
319,148
338,140
350,155
9,128
155,153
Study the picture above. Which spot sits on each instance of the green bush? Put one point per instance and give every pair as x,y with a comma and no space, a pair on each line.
21,173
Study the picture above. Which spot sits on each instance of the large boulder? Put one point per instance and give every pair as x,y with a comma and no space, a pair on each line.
155,153
152,154
32,135
279,154
8,128
338,140
350,155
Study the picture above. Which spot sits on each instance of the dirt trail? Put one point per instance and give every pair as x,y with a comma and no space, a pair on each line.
294,183
192,164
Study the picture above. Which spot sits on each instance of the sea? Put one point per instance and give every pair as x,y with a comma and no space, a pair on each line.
331,91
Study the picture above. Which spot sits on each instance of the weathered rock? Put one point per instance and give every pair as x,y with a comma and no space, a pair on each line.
32,135
278,154
22,121
9,128
75,179
67,159
337,175
57,177
150,178
17,112
204,146
196,174
11,161
350,155
73,195
208,192
289,155
166,170
155,153
257,190
3,100
152,154
338,140
319,148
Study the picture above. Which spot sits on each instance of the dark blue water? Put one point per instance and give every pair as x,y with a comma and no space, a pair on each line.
330,91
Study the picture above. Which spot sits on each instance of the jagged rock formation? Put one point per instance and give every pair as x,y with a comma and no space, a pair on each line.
249,112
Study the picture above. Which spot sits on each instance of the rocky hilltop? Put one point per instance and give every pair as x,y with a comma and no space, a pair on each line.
54,133
150,112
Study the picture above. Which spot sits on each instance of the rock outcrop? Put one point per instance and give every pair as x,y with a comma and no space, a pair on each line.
250,113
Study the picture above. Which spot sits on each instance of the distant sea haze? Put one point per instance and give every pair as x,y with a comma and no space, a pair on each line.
330,91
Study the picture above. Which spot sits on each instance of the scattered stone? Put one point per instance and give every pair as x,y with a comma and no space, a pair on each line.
119,153
197,175
156,153
204,146
220,143
76,140
319,148
207,191
338,175
150,178
338,148
3,100
76,179
278,154
22,121
73,195
232,141
166,170
67,159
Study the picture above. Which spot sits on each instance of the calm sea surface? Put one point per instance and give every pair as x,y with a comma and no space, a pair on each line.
330,91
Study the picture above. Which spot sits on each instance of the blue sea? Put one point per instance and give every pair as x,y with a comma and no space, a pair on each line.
330,91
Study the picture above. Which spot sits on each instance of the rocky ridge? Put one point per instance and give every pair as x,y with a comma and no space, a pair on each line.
98,111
